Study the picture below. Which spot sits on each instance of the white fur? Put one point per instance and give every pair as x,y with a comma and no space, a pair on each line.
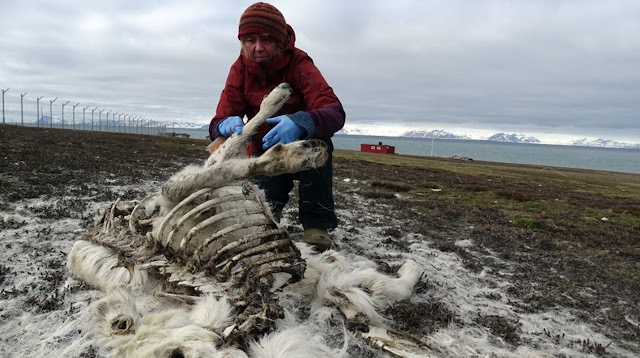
99,266
279,159
191,341
191,331
293,342
212,313
354,287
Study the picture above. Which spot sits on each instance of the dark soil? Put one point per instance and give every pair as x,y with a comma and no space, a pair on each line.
571,237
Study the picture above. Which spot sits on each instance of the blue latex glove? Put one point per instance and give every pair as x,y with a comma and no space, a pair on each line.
285,131
230,125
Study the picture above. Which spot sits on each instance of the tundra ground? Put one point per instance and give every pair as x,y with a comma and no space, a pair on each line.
506,248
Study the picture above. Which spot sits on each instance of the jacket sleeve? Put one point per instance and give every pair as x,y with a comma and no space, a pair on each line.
231,99
324,114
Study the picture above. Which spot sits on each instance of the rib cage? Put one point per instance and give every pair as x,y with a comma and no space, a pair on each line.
227,233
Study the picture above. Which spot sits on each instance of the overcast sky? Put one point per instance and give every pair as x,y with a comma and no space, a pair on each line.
557,70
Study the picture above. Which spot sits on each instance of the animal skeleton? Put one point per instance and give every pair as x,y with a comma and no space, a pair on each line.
201,269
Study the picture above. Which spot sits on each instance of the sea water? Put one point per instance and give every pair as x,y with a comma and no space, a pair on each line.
609,159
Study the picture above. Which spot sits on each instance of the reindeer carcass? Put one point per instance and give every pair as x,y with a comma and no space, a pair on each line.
201,269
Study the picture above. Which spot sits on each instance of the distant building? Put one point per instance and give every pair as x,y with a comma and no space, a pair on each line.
179,135
378,148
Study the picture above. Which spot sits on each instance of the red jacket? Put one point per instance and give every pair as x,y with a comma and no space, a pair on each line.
248,82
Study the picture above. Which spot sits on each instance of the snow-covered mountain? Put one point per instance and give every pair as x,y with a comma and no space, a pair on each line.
186,125
436,133
604,143
46,120
353,131
512,138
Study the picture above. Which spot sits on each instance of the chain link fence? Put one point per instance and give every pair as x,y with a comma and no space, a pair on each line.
25,110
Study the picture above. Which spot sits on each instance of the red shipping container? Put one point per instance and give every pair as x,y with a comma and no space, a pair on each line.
378,148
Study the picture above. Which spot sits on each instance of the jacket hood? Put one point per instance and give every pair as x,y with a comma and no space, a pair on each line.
292,38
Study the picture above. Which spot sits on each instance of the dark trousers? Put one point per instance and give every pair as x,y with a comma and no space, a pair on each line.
315,194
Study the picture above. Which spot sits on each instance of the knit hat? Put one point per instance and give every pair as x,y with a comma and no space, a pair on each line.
262,18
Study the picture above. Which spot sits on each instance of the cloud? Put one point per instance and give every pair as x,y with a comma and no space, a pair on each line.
555,67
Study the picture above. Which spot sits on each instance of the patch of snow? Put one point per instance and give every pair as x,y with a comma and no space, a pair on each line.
464,243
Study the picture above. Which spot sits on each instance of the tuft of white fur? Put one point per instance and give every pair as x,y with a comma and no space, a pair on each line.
159,342
212,313
168,318
230,353
306,250
401,288
317,264
166,333
344,290
385,290
293,342
353,287
99,267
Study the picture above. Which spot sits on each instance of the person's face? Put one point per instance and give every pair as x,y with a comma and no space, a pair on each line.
260,48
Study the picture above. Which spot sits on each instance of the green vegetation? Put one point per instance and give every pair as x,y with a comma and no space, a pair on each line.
529,196
527,222
421,209
391,186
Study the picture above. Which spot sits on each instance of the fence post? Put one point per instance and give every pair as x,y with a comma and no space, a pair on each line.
22,108
93,110
113,118
100,120
3,92
84,109
74,116
51,112
63,113
38,110
111,110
